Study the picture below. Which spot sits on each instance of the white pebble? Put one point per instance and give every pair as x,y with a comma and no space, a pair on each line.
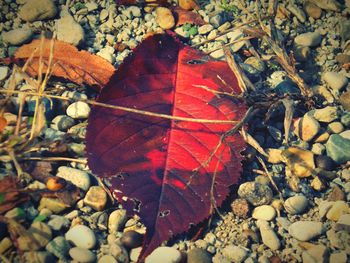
82,255
77,177
81,236
78,110
164,255
264,212
296,204
305,230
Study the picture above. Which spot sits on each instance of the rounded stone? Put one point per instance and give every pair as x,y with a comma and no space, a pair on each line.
78,110
116,220
335,148
131,239
77,177
296,204
305,230
17,36
335,81
59,247
62,123
255,193
240,208
34,10
306,128
197,255
235,253
165,18
68,30
107,259
264,212
82,255
164,255
324,162
268,236
81,236
310,39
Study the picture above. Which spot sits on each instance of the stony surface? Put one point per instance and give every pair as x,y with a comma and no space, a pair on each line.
81,236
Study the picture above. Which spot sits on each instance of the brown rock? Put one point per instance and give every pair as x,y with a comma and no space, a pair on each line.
343,58
131,239
300,162
188,4
165,18
312,10
336,195
344,100
96,198
317,184
240,208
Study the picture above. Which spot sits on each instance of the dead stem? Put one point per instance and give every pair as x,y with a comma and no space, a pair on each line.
12,155
217,93
252,142
54,159
229,44
141,112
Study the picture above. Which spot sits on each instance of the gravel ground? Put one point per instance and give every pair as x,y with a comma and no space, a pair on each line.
304,217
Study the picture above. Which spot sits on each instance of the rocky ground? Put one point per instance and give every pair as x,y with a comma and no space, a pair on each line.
297,210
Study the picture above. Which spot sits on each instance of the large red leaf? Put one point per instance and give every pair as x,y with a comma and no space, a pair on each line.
150,161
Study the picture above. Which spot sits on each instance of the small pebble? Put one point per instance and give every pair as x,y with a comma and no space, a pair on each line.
116,220
96,198
338,209
264,212
338,257
240,207
78,110
335,81
296,204
59,247
165,18
310,39
68,30
4,71
306,128
81,236
164,255
107,259
17,36
335,149
327,114
255,193
198,255
77,177
300,162
343,223
268,236
82,255
131,239
235,253
34,10
62,123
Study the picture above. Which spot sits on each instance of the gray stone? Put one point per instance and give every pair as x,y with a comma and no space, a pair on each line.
62,123
338,148
164,255
235,254
68,30
82,255
59,247
255,193
197,255
34,10
81,236
305,230
335,81
17,36
310,39
77,177
296,204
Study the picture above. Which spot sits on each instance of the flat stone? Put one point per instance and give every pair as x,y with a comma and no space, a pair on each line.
78,110
205,29
81,236
335,148
306,128
316,254
338,257
116,220
332,5
197,255
62,123
335,81
34,10
77,177
59,247
82,255
53,204
164,255
68,30
305,230
268,236
327,114
338,209
234,253
17,36
343,223
165,18
312,10
255,193
296,204
96,198
300,162
264,212
310,39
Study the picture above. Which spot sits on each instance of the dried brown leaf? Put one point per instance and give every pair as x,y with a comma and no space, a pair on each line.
183,16
69,63
10,196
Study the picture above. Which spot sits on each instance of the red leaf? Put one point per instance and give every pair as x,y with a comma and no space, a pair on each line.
187,17
149,161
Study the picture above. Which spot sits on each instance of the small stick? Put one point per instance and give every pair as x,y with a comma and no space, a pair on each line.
54,159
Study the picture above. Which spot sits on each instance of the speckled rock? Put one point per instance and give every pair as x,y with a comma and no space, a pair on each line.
77,177
255,193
